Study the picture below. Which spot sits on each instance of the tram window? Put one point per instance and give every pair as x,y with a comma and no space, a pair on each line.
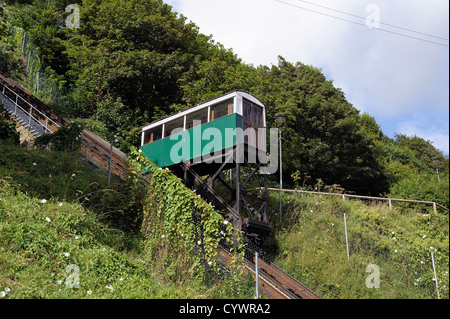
259,118
245,111
201,116
222,109
153,135
170,126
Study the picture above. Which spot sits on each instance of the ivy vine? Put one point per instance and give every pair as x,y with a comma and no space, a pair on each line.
177,217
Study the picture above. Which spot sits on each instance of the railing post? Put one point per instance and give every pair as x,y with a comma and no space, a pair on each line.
346,237
435,276
110,161
257,275
31,112
390,204
434,208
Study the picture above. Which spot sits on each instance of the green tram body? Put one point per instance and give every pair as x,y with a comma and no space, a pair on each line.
230,114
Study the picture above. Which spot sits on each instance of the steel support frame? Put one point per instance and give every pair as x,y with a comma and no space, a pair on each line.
244,208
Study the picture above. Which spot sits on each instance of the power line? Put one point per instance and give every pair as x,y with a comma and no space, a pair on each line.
360,24
384,23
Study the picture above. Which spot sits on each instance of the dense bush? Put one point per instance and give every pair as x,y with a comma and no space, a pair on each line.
8,133
66,138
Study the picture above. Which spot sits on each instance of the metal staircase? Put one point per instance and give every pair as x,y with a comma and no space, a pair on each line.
27,110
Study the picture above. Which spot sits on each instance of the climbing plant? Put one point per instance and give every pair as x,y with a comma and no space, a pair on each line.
176,218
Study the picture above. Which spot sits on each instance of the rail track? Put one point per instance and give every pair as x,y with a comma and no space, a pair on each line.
273,281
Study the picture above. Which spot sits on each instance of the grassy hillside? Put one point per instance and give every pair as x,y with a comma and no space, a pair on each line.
311,246
50,230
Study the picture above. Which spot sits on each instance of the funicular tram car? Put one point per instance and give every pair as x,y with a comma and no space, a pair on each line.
231,120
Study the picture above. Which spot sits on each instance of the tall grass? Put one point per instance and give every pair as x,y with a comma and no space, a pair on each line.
312,247
56,212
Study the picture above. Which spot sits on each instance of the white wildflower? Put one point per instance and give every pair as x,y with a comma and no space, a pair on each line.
110,287
76,237
66,254
2,294
7,289
424,236
225,222
59,282
43,201
121,279
60,204
199,242
48,219
89,292
34,163
162,236
395,250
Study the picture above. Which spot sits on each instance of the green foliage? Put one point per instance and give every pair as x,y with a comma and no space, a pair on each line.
3,25
425,152
49,174
8,132
41,239
423,186
66,138
97,228
312,248
124,68
177,220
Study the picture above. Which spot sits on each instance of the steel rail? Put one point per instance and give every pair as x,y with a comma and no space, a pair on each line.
273,281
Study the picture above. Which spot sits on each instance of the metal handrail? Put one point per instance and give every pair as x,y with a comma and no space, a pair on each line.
30,112
390,200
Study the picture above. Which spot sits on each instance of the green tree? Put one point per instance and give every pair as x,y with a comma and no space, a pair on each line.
3,26
425,152
324,134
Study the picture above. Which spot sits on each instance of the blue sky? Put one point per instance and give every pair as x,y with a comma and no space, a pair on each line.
401,81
